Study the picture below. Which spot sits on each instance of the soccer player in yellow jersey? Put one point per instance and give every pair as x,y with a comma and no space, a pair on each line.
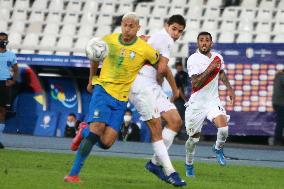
127,54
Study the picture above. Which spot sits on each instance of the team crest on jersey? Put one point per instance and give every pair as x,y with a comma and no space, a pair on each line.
132,55
122,52
96,114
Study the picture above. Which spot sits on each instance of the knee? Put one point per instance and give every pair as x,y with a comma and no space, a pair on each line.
156,134
196,135
104,146
154,126
193,140
179,122
175,123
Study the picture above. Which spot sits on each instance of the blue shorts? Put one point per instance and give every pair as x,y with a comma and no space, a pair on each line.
106,109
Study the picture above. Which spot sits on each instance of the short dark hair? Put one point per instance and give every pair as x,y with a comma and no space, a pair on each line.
72,114
128,110
4,34
178,64
204,33
177,18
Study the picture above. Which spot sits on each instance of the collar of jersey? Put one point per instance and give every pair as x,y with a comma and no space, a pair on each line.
126,44
197,50
164,31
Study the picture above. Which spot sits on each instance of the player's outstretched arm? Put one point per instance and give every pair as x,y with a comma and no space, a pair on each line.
231,92
164,70
198,80
161,67
93,70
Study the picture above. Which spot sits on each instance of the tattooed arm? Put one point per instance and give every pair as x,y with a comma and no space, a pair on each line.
200,79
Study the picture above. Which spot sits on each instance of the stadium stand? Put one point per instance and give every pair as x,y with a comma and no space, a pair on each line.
56,5
251,3
250,16
30,42
22,4
176,10
278,38
244,38
40,5
230,13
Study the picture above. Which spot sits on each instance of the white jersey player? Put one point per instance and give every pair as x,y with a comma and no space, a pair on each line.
146,82
205,69
152,103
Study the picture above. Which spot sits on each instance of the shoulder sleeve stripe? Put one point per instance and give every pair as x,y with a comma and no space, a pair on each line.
211,77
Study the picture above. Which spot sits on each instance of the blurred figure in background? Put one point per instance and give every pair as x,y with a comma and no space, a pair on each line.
278,106
71,125
184,86
129,131
8,75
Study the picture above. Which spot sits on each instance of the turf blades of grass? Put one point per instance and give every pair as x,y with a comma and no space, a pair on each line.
37,170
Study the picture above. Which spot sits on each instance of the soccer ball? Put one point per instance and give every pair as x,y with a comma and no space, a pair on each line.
96,49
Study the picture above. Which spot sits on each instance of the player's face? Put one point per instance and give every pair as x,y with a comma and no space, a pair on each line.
204,44
3,38
175,30
129,28
71,118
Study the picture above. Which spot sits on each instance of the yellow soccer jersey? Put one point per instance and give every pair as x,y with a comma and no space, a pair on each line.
120,67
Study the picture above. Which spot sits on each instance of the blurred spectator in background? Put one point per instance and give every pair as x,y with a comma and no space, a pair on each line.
71,125
8,75
278,106
184,86
129,131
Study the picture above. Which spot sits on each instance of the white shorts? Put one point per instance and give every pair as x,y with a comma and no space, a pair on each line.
150,101
196,113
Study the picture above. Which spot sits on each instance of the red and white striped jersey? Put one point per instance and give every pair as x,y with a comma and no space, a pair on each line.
197,63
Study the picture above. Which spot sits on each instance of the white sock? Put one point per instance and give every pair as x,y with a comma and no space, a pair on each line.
168,138
2,125
222,135
163,156
190,150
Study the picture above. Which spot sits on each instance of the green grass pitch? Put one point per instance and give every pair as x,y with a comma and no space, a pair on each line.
38,170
